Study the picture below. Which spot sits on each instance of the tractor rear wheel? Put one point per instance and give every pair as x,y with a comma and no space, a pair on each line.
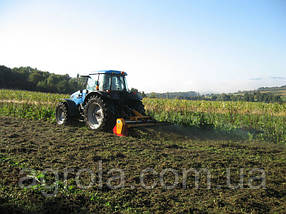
62,114
98,114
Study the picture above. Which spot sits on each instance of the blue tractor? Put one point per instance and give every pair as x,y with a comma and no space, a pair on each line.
104,103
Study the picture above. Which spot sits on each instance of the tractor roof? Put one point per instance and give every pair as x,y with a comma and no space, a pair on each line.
109,72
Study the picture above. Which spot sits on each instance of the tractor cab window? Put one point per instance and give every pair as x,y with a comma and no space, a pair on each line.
104,82
117,83
125,82
92,83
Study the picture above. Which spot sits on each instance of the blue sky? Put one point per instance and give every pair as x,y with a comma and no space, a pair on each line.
164,45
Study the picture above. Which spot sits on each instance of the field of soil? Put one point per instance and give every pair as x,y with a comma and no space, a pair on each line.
46,152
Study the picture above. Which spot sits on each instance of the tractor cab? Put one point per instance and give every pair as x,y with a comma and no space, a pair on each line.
107,81
110,84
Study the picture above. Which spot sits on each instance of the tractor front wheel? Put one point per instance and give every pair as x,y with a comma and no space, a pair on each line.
62,114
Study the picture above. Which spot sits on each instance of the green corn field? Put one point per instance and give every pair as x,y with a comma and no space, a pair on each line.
29,96
260,121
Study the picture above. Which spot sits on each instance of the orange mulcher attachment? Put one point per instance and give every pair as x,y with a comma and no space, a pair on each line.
121,127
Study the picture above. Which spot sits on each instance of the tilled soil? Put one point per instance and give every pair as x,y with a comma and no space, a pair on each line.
70,158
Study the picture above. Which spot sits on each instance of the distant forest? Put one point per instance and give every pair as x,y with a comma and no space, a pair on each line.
174,95
27,78
255,96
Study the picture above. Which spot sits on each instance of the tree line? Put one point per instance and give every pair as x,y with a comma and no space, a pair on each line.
255,96
27,78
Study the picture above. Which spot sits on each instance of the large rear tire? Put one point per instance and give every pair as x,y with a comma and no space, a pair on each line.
62,114
98,114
